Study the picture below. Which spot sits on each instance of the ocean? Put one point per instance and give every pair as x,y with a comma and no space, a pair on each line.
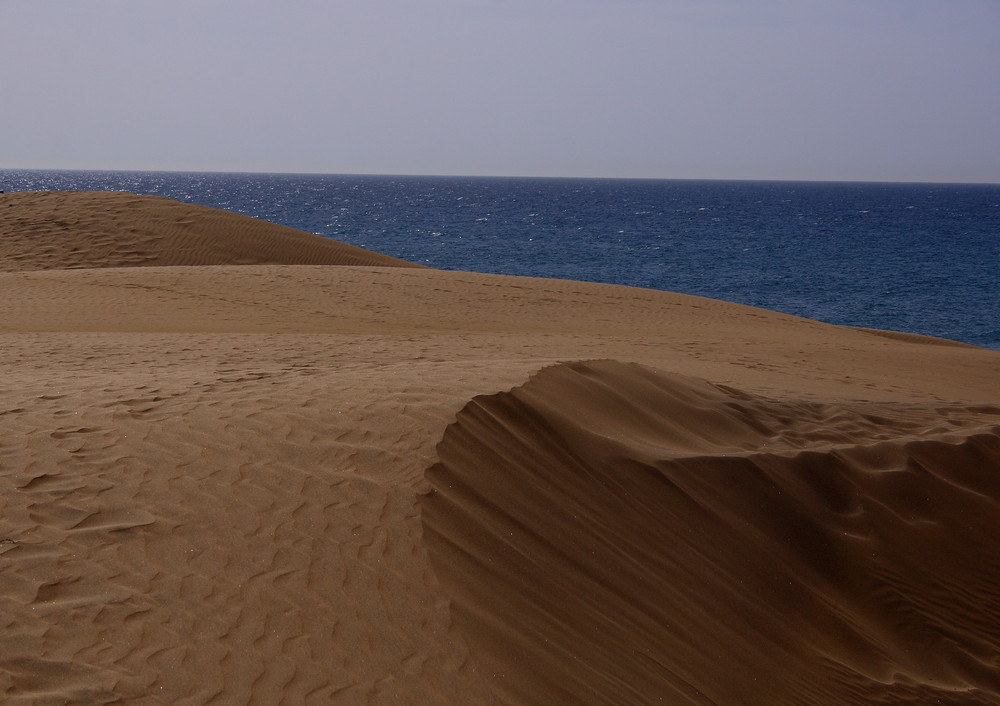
921,258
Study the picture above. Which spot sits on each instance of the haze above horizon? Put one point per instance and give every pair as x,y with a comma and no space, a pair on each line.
718,89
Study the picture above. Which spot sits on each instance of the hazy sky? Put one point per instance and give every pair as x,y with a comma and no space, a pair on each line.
758,89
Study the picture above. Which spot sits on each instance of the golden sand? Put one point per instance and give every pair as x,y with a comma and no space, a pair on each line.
267,468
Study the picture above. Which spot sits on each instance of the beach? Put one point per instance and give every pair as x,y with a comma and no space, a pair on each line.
246,464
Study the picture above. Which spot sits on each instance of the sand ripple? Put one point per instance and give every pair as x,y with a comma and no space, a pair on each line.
214,483
611,534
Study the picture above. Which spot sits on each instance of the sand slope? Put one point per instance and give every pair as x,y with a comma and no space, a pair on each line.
69,229
307,484
611,534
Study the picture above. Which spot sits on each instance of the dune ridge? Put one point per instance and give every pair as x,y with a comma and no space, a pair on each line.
254,483
612,534
43,230
915,338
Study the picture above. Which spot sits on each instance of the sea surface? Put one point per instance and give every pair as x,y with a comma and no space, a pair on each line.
921,258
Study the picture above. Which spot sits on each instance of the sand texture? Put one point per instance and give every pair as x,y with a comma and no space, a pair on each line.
322,477
72,229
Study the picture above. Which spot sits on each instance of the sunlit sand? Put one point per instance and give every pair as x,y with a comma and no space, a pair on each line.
244,464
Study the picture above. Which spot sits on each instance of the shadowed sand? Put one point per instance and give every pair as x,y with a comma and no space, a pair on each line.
613,534
290,482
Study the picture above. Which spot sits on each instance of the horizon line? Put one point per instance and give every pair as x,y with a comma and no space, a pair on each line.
498,176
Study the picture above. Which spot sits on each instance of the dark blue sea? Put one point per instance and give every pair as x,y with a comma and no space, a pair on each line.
922,258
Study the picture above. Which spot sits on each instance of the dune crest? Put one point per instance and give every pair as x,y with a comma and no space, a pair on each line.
46,230
612,534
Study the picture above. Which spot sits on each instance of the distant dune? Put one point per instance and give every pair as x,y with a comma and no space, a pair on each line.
286,482
42,230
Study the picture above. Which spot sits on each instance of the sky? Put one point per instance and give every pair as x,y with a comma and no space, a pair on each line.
869,90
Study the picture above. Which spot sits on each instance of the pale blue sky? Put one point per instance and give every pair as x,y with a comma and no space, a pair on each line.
905,90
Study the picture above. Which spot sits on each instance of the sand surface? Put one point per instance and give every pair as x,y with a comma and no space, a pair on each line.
265,469
74,229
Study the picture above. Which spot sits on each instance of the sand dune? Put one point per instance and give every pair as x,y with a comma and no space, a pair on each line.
42,230
295,483
610,534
